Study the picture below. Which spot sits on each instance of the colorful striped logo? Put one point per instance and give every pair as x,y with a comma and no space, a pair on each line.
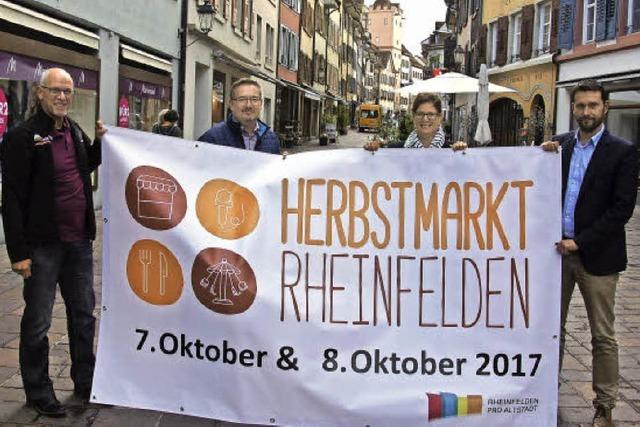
441,405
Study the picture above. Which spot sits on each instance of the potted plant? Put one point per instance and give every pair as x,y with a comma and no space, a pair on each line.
329,127
343,119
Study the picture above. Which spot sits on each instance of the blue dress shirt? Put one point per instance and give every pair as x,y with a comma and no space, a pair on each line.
580,159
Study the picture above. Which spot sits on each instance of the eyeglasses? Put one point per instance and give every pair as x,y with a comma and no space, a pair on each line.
56,91
252,99
421,115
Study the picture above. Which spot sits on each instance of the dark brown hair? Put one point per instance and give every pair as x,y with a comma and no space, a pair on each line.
427,98
589,85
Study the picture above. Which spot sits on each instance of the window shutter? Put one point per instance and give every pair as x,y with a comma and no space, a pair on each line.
562,26
227,8
526,31
503,40
601,20
234,13
611,18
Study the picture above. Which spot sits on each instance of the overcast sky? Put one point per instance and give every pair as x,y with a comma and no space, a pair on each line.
420,17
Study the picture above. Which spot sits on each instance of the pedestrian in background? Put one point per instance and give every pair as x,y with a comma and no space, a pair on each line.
49,225
599,187
167,125
156,126
243,129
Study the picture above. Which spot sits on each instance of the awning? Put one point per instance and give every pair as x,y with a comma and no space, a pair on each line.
308,93
40,22
142,57
571,83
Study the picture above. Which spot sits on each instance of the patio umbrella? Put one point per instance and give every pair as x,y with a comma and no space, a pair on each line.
450,83
483,132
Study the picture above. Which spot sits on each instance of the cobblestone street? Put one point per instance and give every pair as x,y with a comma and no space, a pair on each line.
575,392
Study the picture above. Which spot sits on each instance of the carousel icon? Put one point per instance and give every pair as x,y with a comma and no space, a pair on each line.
223,278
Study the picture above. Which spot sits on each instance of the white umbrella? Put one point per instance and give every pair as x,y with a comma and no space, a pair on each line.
483,132
450,83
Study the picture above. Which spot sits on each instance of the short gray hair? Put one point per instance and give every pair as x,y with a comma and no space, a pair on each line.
44,78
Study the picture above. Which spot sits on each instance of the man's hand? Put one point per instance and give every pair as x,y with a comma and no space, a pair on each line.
566,246
23,268
100,129
550,146
459,146
372,145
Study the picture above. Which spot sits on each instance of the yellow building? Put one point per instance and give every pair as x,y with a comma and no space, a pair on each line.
519,41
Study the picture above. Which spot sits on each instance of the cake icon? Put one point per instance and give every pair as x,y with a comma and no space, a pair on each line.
155,197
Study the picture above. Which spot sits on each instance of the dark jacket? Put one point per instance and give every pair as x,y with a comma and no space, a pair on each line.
171,130
28,196
229,134
605,202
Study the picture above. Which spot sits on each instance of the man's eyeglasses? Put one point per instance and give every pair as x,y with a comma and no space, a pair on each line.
252,99
429,116
56,91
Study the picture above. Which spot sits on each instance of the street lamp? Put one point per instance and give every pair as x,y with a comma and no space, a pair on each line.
205,10
458,56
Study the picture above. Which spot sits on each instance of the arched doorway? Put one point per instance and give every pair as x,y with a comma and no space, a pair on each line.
505,120
537,120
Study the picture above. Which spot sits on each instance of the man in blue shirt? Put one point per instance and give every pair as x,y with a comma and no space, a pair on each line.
599,186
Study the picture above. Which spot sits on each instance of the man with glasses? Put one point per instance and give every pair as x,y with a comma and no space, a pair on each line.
599,187
243,128
49,225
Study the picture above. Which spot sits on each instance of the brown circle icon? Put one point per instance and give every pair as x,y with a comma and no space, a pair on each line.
155,198
226,209
223,281
154,273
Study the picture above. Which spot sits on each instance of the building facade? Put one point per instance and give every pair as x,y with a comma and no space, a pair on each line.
519,39
600,39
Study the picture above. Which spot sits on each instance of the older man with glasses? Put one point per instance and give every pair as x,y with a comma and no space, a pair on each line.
243,129
49,225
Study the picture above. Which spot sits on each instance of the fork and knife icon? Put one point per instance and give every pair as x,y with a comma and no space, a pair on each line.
145,258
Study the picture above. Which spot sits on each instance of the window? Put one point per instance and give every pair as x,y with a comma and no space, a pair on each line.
589,25
493,41
293,4
258,37
269,48
544,28
633,16
386,21
288,48
516,28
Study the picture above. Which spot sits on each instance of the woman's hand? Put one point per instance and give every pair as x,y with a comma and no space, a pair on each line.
459,146
372,145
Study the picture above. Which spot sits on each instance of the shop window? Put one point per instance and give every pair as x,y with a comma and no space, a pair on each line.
217,97
623,118
144,102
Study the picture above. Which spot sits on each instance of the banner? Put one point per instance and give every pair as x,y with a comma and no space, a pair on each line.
409,287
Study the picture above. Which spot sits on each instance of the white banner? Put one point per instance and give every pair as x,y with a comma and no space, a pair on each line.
409,287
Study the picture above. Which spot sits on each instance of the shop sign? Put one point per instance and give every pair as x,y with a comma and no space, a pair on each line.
123,112
4,113
130,87
18,67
